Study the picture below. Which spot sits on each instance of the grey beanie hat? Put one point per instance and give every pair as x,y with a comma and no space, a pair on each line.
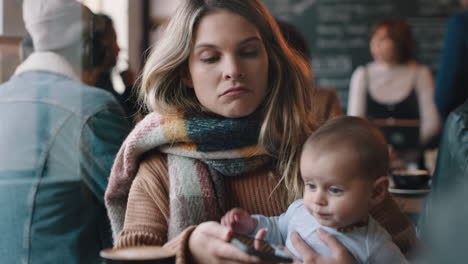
53,24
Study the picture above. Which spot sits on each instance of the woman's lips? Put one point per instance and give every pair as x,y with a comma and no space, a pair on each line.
235,91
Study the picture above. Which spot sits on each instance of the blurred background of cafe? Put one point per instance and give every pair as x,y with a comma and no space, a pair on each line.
337,31
135,22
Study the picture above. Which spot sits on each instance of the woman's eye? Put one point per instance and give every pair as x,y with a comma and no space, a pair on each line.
210,59
250,53
335,190
310,186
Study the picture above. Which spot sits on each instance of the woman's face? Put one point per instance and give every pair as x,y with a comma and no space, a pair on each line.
228,65
382,46
464,3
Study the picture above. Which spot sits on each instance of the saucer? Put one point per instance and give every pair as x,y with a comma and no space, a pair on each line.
409,191
137,253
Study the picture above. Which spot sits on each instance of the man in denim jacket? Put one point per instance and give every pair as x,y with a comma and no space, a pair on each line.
58,140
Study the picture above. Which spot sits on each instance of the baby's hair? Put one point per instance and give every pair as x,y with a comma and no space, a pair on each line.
359,137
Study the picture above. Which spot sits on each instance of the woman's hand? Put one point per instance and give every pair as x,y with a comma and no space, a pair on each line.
209,243
339,254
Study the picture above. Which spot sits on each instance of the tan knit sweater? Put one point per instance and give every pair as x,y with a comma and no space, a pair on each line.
146,219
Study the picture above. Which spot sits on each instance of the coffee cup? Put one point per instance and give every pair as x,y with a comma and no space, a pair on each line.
410,179
140,255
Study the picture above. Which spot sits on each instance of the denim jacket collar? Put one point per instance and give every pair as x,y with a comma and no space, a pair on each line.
47,61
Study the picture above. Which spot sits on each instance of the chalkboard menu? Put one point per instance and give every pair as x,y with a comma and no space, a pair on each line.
337,32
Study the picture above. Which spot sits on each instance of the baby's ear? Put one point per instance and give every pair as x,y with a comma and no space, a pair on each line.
379,190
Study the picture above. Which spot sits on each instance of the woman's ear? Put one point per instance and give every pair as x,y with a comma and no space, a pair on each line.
186,78
379,190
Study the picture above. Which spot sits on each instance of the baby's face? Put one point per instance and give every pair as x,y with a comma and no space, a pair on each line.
336,192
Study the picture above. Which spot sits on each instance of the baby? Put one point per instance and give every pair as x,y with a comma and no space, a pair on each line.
344,168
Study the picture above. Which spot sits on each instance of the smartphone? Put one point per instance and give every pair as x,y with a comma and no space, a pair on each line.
260,248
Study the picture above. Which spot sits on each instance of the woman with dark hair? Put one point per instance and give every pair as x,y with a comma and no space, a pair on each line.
329,106
395,91
104,51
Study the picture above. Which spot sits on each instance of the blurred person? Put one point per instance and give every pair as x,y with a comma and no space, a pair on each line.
105,60
394,90
230,109
452,77
294,38
451,170
344,167
99,66
59,140
26,47
329,106
442,225
445,228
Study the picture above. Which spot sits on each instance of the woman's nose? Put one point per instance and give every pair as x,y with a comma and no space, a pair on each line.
232,70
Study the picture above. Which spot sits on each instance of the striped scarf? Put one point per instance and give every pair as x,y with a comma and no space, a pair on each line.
200,151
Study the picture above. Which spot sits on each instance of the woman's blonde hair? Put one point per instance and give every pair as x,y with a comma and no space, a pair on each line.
287,121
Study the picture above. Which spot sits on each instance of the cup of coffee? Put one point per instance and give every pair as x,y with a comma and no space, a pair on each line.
410,179
140,255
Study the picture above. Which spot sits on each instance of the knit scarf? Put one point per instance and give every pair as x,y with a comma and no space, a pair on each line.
200,151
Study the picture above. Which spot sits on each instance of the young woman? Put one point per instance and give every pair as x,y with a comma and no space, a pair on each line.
395,88
230,109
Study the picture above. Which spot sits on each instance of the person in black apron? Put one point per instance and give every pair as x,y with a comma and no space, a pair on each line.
400,123
396,93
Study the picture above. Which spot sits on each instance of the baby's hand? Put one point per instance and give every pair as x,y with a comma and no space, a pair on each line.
239,221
